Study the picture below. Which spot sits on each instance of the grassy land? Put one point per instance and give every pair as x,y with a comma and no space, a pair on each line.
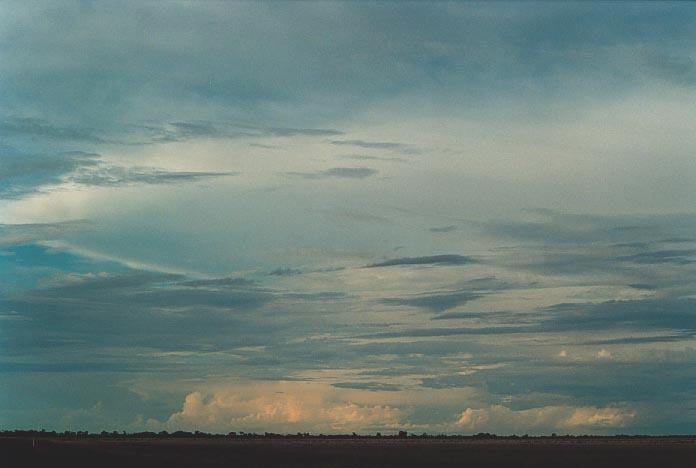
355,453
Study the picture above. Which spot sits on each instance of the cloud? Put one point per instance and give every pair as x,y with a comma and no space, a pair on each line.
434,302
629,317
364,157
188,130
554,227
444,260
498,418
140,308
677,69
283,406
138,134
285,132
660,313
632,340
488,316
678,257
285,272
375,386
603,354
33,127
336,172
17,234
114,176
15,164
381,145
228,282
23,173
591,97
443,229
451,331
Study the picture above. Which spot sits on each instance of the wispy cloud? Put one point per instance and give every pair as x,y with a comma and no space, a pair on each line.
336,172
443,229
380,145
434,302
112,176
34,127
444,260
17,234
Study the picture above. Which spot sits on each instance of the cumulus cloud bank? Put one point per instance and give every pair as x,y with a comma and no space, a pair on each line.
287,406
497,418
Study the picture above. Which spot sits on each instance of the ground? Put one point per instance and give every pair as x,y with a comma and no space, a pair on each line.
17,452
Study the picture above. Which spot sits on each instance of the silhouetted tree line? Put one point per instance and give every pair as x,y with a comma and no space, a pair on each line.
302,435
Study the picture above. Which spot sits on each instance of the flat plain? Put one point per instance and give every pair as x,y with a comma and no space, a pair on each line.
354,453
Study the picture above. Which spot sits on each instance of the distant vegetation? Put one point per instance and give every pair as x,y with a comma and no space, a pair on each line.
301,435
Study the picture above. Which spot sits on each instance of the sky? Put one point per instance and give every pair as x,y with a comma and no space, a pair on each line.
348,217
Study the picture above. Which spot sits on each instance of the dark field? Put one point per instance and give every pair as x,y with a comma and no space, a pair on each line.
355,453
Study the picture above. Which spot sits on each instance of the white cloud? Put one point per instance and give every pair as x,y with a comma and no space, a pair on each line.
282,406
547,418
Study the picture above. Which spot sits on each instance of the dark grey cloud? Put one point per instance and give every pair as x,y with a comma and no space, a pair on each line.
450,331
285,272
16,234
678,315
675,256
188,130
555,227
612,246
353,216
337,172
545,232
434,302
444,260
582,383
364,157
628,340
316,296
679,69
135,308
15,164
112,176
24,173
33,127
97,284
207,57
368,144
227,282
285,132
661,313
443,229
493,315
138,134
374,386
184,131
646,287
381,145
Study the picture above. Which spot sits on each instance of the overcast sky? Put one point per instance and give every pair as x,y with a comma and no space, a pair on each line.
337,217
